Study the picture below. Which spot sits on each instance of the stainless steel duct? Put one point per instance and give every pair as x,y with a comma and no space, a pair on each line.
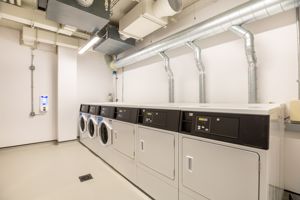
246,13
201,69
170,76
252,61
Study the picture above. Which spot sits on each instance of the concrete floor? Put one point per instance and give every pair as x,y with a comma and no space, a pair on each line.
50,172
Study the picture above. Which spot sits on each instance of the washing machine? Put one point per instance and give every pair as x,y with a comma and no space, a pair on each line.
105,133
82,122
124,139
157,151
92,126
231,152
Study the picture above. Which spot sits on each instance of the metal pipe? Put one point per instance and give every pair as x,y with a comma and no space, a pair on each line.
298,40
252,61
246,13
32,68
201,69
170,76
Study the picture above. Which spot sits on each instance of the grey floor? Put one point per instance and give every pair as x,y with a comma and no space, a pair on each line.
49,171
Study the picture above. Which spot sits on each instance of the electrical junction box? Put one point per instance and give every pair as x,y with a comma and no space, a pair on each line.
44,103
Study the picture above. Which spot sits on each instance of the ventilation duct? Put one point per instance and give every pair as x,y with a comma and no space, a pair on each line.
111,43
252,61
246,13
170,75
147,17
165,8
201,70
87,15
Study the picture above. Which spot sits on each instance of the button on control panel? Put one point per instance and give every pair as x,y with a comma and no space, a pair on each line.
203,124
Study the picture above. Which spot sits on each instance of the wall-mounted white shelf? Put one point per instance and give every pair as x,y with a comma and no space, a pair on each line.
292,127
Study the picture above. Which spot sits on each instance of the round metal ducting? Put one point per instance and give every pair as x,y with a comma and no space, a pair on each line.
85,3
176,5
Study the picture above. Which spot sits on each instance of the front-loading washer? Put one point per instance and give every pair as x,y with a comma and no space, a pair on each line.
231,152
82,122
157,151
92,125
105,134
124,139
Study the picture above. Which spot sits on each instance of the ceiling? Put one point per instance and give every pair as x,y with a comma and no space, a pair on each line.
120,8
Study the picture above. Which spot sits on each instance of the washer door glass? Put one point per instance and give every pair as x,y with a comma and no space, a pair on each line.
92,128
104,133
82,124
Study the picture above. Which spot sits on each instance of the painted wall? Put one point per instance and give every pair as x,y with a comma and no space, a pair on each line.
17,127
226,76
67,108
93,78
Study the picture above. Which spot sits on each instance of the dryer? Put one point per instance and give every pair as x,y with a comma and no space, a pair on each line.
105,133
231,152
157,151
82,122
124,139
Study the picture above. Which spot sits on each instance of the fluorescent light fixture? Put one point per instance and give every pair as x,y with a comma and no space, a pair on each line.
89,44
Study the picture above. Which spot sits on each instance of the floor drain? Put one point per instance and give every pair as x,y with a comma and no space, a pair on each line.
85,177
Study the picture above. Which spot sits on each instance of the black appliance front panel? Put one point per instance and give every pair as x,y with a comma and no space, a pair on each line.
127,114
162,119
84,108
248,130
94,110
108,111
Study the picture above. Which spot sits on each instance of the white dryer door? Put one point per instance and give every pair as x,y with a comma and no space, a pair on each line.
218,172
124,138
157,151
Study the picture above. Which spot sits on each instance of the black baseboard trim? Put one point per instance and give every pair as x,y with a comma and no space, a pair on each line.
291,192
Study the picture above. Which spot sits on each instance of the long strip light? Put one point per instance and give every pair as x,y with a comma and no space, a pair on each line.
89,44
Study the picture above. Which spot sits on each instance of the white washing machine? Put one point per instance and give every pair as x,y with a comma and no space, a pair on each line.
157,151
231,152
92,126
124,137
82,122
105,134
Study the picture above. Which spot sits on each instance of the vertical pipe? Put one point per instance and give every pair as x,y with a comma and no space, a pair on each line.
298,40
170,76
201,69
32,68
252,61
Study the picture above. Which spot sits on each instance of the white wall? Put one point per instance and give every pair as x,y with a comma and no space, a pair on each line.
67,107
16,127
227,80
94,78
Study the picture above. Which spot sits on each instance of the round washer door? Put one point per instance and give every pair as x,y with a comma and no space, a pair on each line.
92,127
82,124
105,132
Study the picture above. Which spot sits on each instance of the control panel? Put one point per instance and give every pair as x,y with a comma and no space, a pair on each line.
203,124
108,111
163,119
249,130
94,110
84,108
127,114
44,103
